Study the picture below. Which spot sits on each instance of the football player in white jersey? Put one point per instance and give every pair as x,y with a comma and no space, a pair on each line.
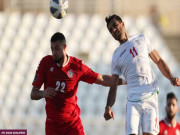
131,59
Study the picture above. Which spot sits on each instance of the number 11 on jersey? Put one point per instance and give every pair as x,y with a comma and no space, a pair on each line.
133,52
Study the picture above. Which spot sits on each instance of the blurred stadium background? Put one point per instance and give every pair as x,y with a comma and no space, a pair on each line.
25,29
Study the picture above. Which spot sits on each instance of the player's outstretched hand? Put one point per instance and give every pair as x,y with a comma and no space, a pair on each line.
175,82
50,93
108,114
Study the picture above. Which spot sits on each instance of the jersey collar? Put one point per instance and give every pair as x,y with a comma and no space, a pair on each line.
65,63
169,125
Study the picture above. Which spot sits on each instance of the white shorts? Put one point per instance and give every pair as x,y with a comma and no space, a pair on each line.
143,115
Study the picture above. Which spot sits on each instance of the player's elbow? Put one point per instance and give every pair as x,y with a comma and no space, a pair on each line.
32,96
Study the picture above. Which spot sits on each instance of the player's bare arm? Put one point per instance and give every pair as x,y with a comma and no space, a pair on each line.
108,114
164,68
105,80
37,94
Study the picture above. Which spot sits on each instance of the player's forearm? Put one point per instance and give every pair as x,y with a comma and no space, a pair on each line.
111,97
112,92
106,80
36,95
164,69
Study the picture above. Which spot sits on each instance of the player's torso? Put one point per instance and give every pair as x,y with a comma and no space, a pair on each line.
63,79
133,60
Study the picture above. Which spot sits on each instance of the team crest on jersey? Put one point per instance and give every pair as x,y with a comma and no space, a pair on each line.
70,73
137,41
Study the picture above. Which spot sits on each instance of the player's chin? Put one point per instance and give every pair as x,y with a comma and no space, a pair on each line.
116,38
171,115
56,60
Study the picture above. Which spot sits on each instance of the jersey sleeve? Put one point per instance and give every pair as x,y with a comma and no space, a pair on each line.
39,78
88,75
150,46
115,70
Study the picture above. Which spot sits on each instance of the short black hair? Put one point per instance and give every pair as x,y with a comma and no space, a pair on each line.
58,37
109,18
171,95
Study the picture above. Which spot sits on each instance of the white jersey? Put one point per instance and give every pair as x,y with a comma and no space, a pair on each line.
131,59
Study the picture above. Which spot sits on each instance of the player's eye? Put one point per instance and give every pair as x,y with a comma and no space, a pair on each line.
114,25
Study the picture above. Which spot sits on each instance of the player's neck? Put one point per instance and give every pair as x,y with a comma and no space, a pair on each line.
124,38
172,121
64,61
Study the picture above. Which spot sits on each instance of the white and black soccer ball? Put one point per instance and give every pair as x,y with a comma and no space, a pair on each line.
59,8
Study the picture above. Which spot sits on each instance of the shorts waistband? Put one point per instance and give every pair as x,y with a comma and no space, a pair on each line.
145,97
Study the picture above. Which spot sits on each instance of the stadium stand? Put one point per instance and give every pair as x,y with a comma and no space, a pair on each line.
24,41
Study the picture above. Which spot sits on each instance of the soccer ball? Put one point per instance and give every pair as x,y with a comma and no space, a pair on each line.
59,8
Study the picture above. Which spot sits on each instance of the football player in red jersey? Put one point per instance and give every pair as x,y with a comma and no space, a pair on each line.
60,75
169,126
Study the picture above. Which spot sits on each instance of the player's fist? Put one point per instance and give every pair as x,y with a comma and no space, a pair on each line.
175,81
49,93
108,114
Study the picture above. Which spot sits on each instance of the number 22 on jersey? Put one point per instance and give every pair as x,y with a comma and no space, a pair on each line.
133,52
58,84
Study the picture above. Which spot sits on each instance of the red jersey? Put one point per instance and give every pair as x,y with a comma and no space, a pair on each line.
65,81
167,129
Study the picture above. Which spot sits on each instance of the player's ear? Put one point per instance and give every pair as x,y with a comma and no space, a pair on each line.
177,109
64,46
123,24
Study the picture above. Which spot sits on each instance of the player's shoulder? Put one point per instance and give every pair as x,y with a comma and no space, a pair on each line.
136,36
75,60
77,64
47,58
161,122
116,54
178,125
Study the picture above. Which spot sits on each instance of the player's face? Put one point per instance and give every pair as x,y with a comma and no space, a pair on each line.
171,108
58,51
116,28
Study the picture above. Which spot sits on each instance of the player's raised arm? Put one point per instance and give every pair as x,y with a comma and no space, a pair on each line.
108,114
36,94
105,80
163,67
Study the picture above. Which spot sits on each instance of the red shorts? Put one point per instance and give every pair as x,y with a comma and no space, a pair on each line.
64,128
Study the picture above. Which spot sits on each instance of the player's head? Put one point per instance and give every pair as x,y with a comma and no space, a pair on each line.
115,26
171,105
58,46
